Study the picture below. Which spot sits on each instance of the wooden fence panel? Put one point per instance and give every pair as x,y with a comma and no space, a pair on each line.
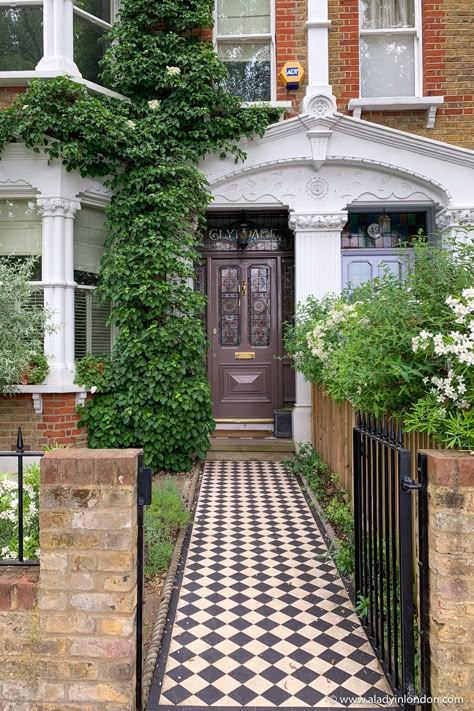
332,435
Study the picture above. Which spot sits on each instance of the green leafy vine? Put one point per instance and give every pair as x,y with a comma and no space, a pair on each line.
148,150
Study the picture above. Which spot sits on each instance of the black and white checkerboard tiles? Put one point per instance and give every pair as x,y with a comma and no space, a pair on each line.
263,618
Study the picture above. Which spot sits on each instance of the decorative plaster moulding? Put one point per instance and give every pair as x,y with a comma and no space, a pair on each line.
455,217
322,222
403,103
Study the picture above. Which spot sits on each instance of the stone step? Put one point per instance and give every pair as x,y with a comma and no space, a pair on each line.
269,449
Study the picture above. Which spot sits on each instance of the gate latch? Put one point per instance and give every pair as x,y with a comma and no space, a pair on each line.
144,486
410,485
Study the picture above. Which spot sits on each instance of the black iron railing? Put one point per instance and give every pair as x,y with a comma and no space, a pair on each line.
391,598
19,515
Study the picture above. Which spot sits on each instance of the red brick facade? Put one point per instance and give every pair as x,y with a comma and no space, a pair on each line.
58,423
290,45
448,68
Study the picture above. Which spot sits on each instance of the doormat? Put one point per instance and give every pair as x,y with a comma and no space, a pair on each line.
243,434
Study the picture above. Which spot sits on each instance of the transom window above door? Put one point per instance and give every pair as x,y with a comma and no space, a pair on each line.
390,62
245,43
382,230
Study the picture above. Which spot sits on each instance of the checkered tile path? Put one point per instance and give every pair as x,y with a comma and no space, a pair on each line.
263,618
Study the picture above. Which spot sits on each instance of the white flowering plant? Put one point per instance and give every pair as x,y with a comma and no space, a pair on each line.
9,518
447,410
402,348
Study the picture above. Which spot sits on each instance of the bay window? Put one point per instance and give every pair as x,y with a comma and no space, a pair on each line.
21,36
54,36
390,48
91,333
245,43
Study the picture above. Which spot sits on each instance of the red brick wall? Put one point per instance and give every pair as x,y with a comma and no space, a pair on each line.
57,423
290,41
8,94
448,34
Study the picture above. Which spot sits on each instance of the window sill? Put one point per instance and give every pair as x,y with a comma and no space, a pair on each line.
37,392
24,78
402,103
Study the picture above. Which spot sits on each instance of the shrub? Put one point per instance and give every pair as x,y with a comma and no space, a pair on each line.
399,347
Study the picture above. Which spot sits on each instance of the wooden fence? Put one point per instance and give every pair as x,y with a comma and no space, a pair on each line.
332,436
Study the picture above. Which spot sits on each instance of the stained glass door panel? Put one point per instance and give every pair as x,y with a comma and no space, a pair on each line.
243,333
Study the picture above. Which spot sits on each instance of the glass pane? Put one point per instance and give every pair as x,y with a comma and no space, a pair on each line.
20,228
259,305
381,14
363,229
229,306
200,284
100,332
288,292
358,273
89,238
387,65
99,8
89,48
21,38
243,17
80,323
249,70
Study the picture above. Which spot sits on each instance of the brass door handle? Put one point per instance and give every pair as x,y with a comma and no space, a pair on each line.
244,288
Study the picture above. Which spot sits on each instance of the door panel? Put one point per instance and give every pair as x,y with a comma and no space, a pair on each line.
243,311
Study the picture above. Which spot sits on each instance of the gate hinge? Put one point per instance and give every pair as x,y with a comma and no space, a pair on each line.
144,486
410,485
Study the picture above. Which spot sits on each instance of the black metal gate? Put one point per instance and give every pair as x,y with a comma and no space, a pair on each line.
391,565
143,499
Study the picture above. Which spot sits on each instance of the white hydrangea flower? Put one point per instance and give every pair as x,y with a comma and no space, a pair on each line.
93,389
173,71
154,104
131,124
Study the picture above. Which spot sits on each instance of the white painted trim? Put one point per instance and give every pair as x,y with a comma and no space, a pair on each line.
45,388
401,103
23,79
92,18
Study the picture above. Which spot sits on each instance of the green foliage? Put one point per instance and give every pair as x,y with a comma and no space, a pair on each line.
333,501
95,372
9,514
38,368
366,346
21,325
363,606
163,518
155,394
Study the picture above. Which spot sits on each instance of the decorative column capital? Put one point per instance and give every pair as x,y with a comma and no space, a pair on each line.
321,222
460,217
53,207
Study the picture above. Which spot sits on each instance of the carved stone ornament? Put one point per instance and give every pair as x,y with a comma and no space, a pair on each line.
323,222
317,188
451,218
54,207
319,106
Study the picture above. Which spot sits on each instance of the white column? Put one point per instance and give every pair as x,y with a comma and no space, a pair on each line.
317,273
318,48
58,286
58,38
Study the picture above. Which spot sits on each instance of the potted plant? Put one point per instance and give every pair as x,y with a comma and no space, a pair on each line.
37,371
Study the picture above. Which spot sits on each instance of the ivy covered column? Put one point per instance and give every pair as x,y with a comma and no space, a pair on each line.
57,277
317,272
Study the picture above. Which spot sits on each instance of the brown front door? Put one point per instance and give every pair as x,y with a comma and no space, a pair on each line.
243,315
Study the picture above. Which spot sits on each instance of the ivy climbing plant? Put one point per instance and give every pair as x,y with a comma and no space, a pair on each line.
148,149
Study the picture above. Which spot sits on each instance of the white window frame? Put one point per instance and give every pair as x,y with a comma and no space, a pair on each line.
415,32
239,39
58,43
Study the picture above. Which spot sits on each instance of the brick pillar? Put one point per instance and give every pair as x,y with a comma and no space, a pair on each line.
88,582
451,551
